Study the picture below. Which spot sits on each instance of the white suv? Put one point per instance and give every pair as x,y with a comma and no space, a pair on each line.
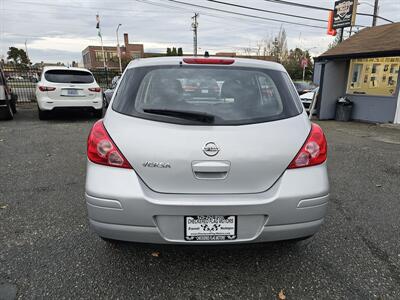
63,87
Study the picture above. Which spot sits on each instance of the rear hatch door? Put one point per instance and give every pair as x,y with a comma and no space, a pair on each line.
237,136
171,158
70,84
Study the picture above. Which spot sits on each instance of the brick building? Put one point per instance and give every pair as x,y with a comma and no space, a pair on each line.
93,55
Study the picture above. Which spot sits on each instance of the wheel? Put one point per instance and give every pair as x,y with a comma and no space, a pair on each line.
6,113
14,99
14,107
105,102
98,113
43,114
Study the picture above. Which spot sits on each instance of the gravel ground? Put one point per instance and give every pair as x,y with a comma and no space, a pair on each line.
48,251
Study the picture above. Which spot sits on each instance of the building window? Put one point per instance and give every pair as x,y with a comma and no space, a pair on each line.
135,55
110,55
393,75
356,76
373,76
86,58
99,56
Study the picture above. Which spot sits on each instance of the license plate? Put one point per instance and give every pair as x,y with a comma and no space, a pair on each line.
210,228
70,92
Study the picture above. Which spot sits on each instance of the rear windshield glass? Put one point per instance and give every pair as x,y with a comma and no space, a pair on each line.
68,76
231,96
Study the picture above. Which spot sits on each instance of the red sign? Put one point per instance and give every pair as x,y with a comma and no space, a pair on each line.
331,31
304,63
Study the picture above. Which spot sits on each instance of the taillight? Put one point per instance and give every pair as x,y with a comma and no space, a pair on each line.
46,88
314,150
96,89
102,150
209,61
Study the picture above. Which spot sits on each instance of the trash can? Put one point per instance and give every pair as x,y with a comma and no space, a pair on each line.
344,108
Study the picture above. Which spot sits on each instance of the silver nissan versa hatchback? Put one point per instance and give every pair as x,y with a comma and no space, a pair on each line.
206,150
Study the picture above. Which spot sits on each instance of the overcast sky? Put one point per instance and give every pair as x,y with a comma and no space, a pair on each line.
59,30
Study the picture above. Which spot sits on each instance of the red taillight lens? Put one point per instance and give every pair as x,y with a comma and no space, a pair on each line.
96,89
102,150
314,150
209,61
46,88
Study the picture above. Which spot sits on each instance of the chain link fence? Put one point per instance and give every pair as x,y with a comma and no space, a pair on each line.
23,80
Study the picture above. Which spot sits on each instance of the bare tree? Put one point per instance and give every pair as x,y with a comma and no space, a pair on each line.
280,49
275,46
247,51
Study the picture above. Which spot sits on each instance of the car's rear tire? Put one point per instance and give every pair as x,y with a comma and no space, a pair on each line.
14,99
6,113
43,115
105,102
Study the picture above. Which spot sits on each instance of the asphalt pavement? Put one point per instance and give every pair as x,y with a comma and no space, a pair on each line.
48,251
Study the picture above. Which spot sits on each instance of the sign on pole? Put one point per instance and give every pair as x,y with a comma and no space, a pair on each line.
304,62
344,13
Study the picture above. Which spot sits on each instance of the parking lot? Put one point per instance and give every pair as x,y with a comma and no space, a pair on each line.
48,251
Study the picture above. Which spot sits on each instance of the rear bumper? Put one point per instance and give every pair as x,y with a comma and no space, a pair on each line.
3,103
46,103
152,234
122,207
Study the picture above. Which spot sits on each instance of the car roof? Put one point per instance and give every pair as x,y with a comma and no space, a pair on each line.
47,68
176,60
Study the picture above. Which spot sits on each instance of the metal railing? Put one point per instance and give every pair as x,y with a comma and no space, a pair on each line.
23,80
104,77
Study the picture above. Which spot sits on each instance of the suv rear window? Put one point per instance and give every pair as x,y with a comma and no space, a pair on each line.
68,76
231,96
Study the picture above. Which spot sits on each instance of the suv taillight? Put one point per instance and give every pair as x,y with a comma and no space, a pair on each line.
96,89
314,150
46,88
102,150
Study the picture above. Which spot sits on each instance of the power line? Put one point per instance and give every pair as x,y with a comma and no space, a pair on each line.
247,15
269,11
299,5
239,18
321,8
127,10
259,9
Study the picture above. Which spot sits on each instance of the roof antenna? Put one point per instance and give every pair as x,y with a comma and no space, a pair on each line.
206,54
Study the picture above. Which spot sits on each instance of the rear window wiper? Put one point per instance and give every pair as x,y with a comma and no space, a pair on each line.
183,114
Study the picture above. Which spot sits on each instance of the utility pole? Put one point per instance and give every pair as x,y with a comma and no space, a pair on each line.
119,51
376,9
101,41
341,34
26,49
195,25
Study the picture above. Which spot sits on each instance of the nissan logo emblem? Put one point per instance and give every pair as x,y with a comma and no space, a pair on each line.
210,149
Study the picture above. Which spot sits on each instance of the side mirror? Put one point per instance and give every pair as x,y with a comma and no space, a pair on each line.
114,82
